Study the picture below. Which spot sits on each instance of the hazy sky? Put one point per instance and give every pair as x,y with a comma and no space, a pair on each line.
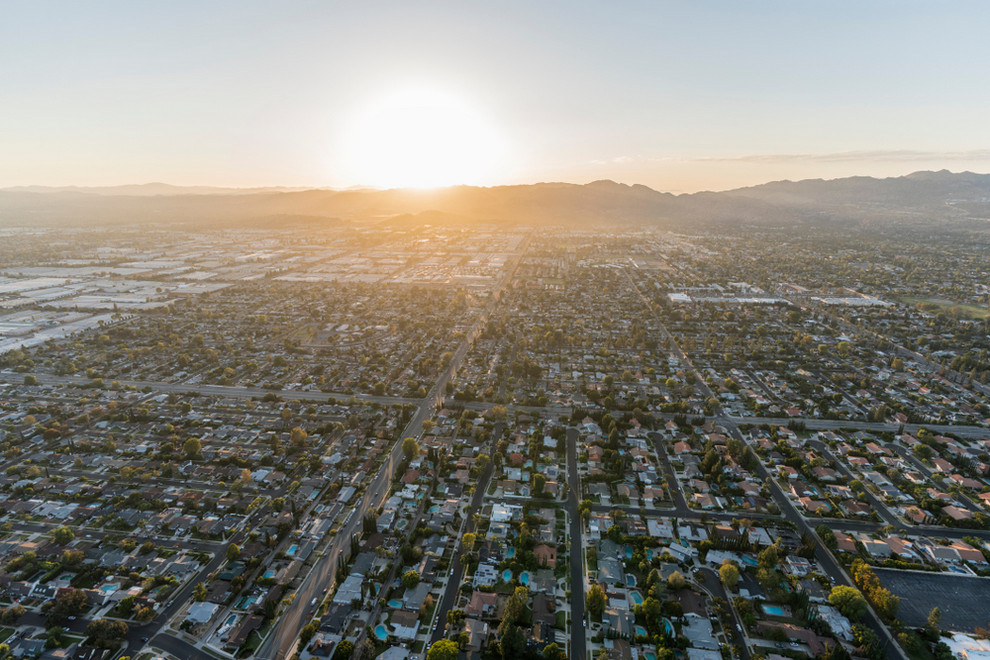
679,96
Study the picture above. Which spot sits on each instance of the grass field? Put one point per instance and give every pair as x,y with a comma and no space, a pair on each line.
949,306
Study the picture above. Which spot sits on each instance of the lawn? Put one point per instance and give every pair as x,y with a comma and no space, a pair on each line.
951,307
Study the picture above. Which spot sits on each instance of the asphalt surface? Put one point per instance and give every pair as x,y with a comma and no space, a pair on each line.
449,596
716,588
578,582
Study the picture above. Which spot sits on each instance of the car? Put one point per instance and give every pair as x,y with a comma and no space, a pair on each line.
144,639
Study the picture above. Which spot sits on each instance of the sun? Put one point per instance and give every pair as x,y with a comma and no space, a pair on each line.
420,137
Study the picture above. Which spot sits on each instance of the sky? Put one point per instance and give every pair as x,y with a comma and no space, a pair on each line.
679,96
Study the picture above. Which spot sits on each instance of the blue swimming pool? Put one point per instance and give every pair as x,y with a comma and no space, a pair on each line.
109,588
434,508
510,553
506,575
749,561
650,655
668,628
292,549
380,632
637,598
524,579
630,580
395,604
774,610
650,555
269,574
640,631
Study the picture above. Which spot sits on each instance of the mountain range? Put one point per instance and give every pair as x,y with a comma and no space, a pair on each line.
918,199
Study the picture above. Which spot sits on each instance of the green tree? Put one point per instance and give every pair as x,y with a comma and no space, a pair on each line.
849,601
71,602
63,535
595,601
105,632
934,624
298,437
539,483
676,581
30,380
344,650
729,573
553,652
192,447
468,540
443,649
233,552
410,448
410,579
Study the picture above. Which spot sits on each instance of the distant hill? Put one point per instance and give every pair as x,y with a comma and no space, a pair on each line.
961,199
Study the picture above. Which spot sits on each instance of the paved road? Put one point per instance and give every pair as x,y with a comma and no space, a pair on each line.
812,423
449,596
715,587
230,391
576,552
673,485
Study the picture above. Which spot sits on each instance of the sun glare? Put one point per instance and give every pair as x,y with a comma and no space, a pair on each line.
421,138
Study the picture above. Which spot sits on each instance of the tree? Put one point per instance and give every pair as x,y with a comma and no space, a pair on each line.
105,632
676,581
539,483
71,602
595,601
200,592
344,650
30,380
410,448
468,540
192,447
63,535
410,579
553,652
827,536
729,573
443,649
934,624
849,601
298,437
233,552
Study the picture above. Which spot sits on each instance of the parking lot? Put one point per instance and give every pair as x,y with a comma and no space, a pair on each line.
964,601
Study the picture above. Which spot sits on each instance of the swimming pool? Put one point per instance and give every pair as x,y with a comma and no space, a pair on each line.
650,655
629,552
749,561
269,574
640,631
650,555
395,604
524,579
774,610
630,580
506,575
434,508
292,549
109,588
668,627
510,553
380,632
637,598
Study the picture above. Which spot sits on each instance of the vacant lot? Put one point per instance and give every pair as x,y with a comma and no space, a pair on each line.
964,601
